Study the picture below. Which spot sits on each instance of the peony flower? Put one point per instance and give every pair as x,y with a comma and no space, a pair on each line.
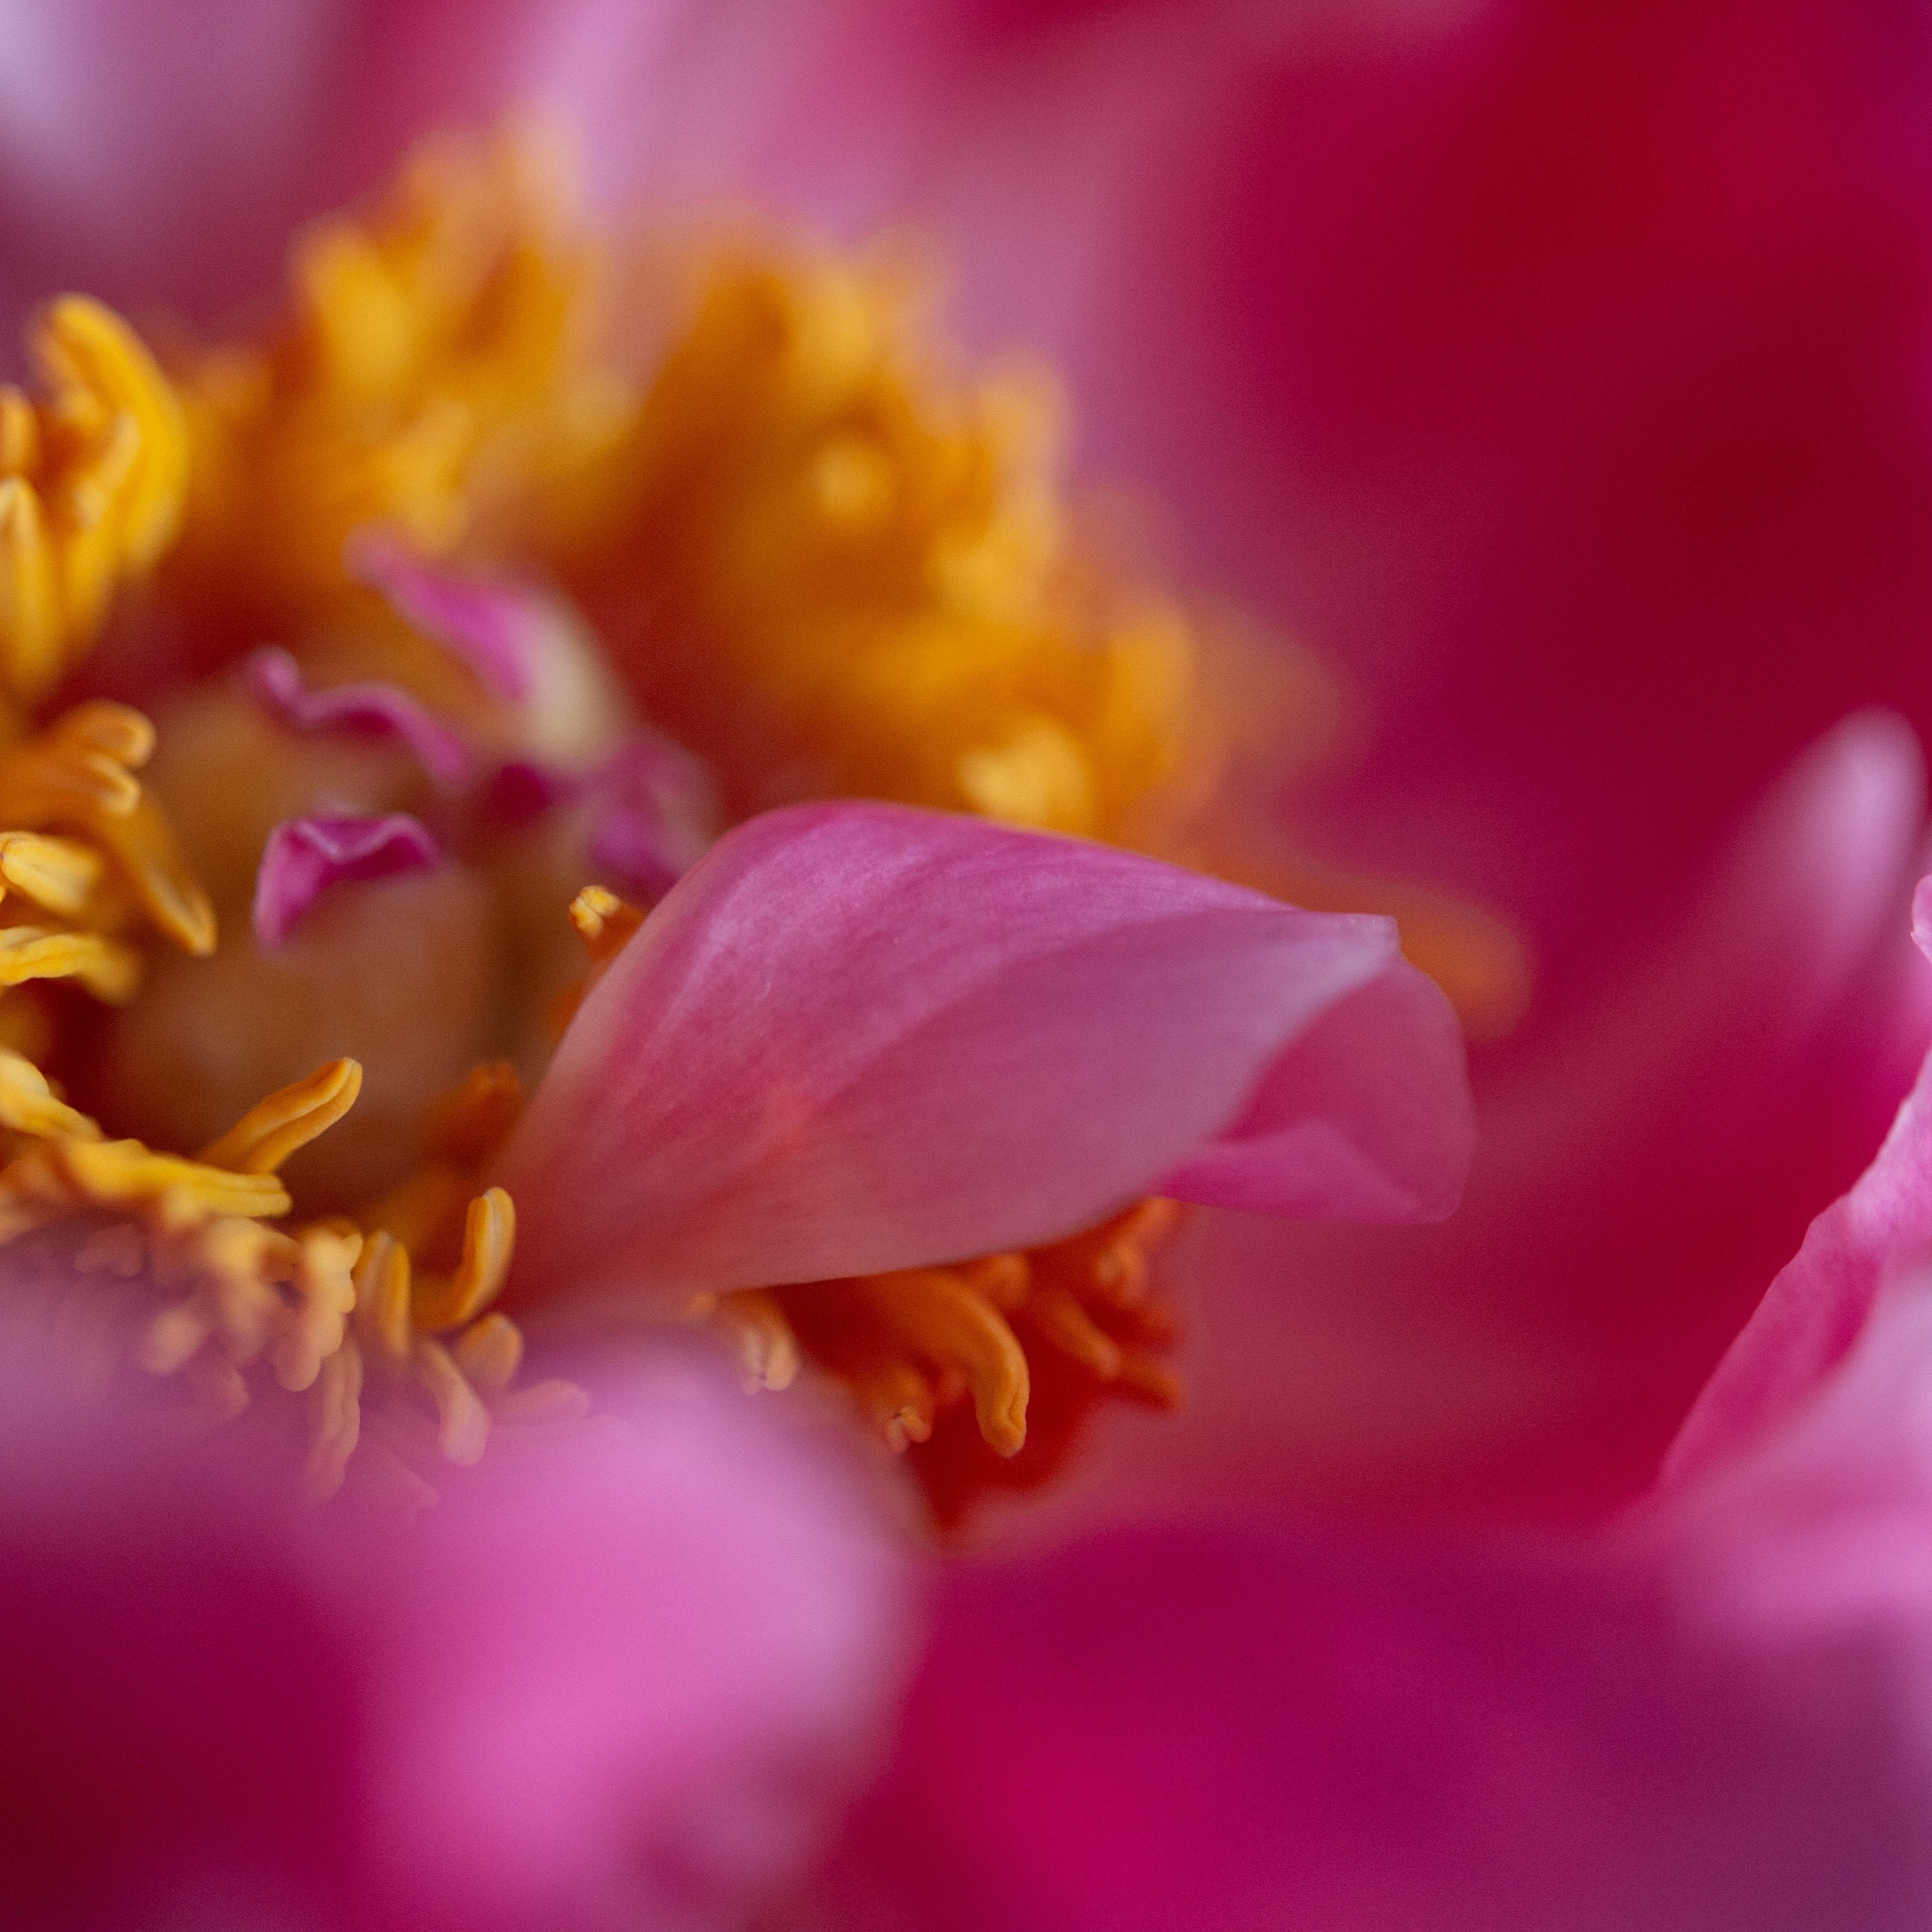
1485,447
1710,1714
467,675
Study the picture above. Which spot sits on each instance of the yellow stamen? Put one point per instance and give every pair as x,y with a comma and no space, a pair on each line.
274,1129
935,1313
108,971
604,922
78,774
754,1322
57,874
981,1373
489,1238
93,474
28,1106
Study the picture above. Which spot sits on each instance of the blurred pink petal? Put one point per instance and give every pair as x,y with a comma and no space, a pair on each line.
618,1672
159,152
381,709
859,1037
1718,1714
1820,1302
1638,1176
495,628
1254,1729
161,157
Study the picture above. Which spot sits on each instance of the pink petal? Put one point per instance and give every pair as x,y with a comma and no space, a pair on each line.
1252,1730
695,1627
1818,1520
858,1037
657,813
1818,1305
495,628
1642,1172
628,1666
1347,1123
158,153
305,856
378,707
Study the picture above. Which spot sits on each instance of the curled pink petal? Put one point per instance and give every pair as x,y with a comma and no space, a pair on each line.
305,856
1348,1124
859,1037
376,706
494,628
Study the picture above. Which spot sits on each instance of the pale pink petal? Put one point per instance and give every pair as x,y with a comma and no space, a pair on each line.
860,1037
1817,1521
305,856
376,707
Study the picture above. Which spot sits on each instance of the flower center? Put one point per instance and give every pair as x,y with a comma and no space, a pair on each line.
489,583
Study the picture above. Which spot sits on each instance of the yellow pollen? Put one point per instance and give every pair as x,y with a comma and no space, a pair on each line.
604,922
93,472
79,775
433,362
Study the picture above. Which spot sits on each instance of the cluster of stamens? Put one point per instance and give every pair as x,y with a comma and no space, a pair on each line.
807,552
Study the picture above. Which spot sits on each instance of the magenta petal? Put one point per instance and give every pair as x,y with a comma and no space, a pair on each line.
590,1675
375,707
494,628
858,1037
1246,1729
305,856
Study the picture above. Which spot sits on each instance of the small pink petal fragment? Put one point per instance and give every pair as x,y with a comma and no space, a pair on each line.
520,791
378,709
495,628
653,807
657,815
305,856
